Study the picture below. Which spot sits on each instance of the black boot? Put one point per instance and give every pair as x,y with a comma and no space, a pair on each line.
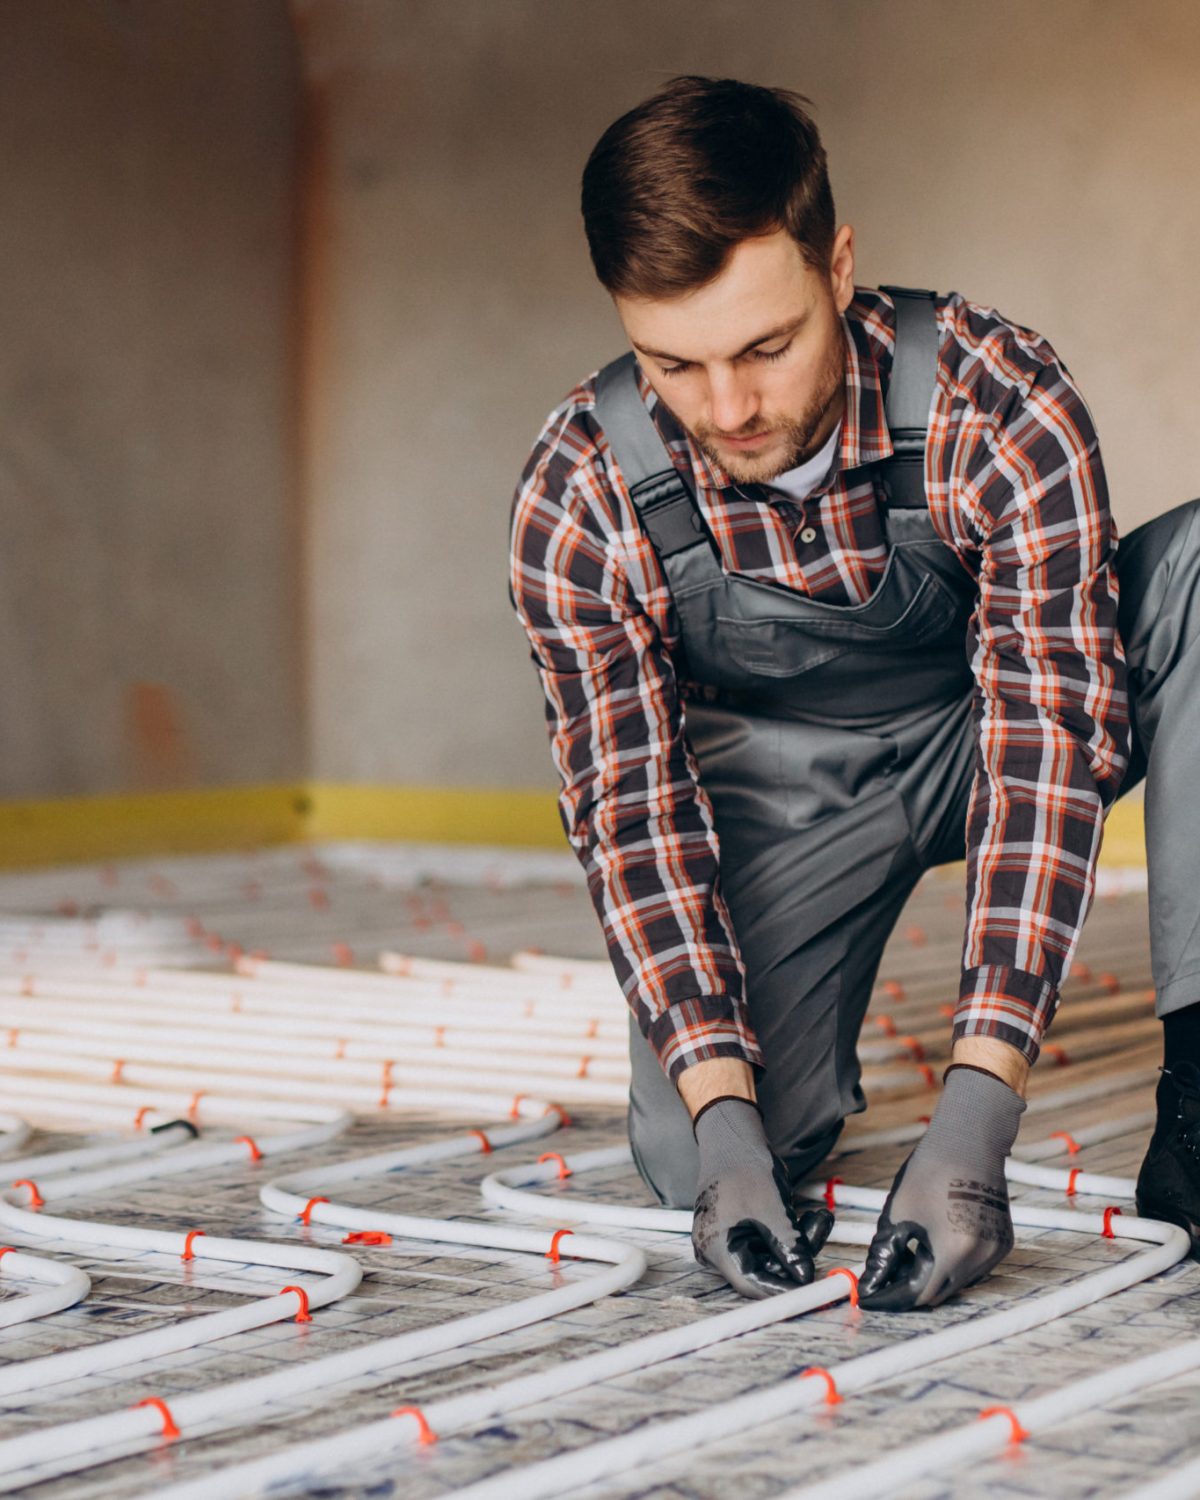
1168,1185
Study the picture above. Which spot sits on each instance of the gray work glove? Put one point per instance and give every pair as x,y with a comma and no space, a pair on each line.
744,1227
946,1222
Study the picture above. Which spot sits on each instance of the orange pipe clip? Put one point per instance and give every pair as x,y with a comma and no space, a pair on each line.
425,1433
832,1395
35,1198
169,1430
188,1252
303,1316
846,1271
552,1254
1017,1433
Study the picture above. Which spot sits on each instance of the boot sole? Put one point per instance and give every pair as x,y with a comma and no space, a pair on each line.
1172,1216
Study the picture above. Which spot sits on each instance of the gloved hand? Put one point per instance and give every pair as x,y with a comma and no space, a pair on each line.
744,1227
946,1222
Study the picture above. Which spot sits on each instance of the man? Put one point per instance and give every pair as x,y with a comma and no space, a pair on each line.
785,674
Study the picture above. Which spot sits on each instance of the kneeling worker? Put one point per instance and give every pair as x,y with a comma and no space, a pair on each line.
822,589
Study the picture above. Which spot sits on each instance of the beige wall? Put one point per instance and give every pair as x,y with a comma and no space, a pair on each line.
1038,157
148,594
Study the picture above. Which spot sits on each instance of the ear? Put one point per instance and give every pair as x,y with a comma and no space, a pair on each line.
841,268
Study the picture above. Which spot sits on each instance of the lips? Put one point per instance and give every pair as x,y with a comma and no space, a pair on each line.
747,442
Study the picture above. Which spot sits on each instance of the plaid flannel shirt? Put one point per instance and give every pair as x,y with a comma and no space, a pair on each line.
1016,488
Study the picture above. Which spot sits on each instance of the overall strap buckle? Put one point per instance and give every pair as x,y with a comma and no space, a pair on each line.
666,506
910,396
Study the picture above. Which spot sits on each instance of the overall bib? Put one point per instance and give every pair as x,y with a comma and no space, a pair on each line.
836,744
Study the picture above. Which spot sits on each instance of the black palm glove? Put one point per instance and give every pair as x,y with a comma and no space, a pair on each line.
744,1227
946,1222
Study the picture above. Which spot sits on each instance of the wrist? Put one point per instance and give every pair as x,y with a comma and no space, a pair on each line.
722,1099
990,1055
977,1112
718,1077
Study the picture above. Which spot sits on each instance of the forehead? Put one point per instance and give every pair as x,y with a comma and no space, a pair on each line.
764,283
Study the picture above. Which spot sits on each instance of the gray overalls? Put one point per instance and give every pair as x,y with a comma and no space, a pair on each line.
837,747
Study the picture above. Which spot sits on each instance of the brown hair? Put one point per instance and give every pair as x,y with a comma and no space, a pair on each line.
672,186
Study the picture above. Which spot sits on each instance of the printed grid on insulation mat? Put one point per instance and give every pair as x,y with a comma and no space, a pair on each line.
339,906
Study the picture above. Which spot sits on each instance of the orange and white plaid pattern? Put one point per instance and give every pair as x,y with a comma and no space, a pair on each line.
1016,487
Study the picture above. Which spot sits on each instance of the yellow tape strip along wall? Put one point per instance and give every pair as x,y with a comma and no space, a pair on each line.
78,829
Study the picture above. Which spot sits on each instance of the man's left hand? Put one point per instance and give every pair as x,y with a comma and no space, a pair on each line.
946,1222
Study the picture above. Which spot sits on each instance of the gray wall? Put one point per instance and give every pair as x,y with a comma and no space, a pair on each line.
149,599
1040,158
290,287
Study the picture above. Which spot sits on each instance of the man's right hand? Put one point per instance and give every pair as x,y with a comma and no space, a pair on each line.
744,1227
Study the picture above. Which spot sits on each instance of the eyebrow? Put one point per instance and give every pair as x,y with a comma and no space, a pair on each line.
762,338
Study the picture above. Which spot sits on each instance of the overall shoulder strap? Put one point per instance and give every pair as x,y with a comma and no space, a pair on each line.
910,395
666,506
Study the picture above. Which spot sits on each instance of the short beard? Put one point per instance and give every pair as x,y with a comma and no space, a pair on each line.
803,435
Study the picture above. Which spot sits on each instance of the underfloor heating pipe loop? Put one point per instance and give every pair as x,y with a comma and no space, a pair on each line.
534,1118
297,1466
340,1273
81,1444
57,1286
656,1441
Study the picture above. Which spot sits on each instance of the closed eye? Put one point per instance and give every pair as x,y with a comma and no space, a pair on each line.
763,354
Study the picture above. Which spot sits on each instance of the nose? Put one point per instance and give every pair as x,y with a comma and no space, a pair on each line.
733,402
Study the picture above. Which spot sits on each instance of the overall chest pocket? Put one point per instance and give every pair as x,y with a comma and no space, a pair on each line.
786,645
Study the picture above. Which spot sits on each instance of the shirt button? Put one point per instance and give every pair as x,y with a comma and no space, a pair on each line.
808,535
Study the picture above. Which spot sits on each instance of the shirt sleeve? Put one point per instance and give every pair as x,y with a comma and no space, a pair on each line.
1050,704
630,801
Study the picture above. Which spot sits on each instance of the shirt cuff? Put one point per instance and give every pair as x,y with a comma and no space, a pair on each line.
699,1029
1010,1005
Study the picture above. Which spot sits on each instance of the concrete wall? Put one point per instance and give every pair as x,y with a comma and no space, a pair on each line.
179,399
1038,158
148,572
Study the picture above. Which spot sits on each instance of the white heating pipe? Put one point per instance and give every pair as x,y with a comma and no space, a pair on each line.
60,1286
317,1035
14,1132
995,1434
655,1441
301,1465
341,1272
71,1446
363,1087
1180,1484
536,1118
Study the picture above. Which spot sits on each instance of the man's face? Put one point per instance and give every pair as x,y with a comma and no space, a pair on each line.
752,364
